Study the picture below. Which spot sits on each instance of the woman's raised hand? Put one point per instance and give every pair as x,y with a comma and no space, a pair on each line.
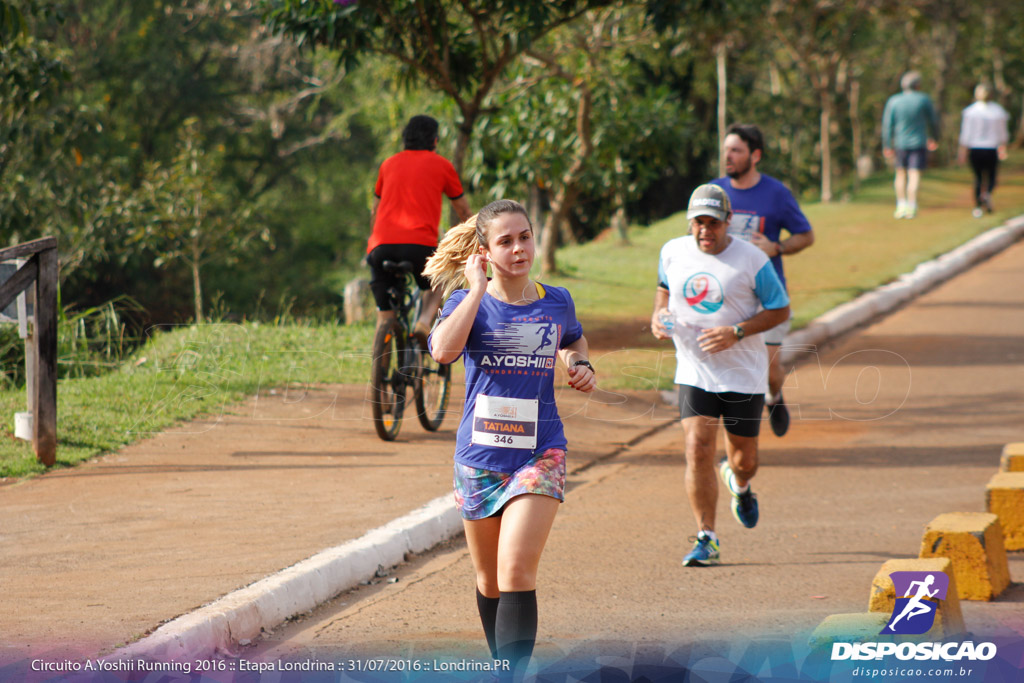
476,271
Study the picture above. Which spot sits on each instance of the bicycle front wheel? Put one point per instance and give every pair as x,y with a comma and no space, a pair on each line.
388,383
432,392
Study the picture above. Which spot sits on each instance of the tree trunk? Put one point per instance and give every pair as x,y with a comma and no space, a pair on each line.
465,127
197,253
561,205
620,224
998,62
535,209
856,132
720,58
549,237
1018,141
825,95
198,289
566,196
945,40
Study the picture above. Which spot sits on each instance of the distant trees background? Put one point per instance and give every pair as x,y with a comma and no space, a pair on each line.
205,154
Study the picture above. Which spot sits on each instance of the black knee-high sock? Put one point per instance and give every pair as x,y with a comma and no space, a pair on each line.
516,627
488,608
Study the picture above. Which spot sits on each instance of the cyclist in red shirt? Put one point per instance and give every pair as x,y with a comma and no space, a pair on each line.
406,213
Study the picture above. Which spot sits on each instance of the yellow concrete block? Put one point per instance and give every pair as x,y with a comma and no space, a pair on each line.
1013,457
1004,496
974,542
851,628
949,619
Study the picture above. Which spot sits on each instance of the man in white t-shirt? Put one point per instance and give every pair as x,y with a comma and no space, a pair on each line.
715,295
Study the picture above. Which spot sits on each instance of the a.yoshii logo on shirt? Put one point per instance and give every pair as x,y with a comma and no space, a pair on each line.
704,293
522,345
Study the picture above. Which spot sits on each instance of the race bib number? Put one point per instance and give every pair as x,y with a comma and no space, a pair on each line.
505,422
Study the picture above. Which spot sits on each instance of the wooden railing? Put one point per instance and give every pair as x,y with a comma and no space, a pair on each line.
40,269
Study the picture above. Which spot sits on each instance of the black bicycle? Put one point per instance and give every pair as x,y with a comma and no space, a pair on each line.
400,363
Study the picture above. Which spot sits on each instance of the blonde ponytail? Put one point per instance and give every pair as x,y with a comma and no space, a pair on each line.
445,267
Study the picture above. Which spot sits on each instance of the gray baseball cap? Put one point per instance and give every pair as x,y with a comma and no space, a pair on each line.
709,200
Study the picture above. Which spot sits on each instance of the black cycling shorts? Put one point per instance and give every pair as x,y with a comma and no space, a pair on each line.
740,413
381,280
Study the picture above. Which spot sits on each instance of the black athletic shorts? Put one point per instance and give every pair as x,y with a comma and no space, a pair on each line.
381,280
740,413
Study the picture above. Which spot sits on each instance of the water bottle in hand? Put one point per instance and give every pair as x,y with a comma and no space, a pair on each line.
667,320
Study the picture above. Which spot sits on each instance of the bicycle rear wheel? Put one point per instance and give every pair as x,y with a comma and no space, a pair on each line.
388,383
432,392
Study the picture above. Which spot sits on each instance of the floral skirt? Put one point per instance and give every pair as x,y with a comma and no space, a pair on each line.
484,493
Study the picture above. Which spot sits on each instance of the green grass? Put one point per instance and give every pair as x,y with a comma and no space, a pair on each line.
179,374
185,372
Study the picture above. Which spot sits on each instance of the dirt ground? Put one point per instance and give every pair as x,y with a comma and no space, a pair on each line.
892,426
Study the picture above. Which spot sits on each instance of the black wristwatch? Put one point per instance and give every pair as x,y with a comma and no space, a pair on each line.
739,332
586,364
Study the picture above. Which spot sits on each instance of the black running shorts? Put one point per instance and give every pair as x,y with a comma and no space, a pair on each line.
740,413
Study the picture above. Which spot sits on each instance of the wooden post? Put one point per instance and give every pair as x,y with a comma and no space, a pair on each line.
41,270
45,408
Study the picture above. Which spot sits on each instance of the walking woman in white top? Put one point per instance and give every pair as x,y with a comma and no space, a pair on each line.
983,138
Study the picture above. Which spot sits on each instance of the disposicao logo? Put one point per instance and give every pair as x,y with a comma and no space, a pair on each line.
917,600
917,596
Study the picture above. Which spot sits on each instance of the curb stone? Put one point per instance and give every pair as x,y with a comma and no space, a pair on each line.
216,628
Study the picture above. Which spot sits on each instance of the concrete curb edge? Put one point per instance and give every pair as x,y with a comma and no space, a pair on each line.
244,613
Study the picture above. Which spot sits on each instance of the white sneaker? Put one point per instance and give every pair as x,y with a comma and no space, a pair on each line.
978,213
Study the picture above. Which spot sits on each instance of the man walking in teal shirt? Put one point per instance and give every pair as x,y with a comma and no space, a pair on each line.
908,119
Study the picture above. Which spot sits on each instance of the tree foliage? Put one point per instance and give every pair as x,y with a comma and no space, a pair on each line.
599,111
458,47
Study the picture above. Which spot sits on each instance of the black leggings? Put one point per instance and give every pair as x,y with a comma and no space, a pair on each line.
984,163
381,280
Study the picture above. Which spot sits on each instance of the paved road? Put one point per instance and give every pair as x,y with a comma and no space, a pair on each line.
894,425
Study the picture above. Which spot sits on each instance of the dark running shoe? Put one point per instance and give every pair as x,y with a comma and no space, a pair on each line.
744,508
744,505
704,553
778,417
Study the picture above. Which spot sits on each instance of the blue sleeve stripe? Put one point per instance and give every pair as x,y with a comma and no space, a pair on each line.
662,278
769,288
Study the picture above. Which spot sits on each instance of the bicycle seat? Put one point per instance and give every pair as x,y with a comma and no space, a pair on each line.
399,267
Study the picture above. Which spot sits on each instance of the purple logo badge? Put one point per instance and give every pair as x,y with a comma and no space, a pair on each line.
917,599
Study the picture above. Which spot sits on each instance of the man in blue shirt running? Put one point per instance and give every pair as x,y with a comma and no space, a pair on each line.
762,208
908,119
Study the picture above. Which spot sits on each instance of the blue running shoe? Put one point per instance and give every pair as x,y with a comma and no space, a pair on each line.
744,505
704,553
778,417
